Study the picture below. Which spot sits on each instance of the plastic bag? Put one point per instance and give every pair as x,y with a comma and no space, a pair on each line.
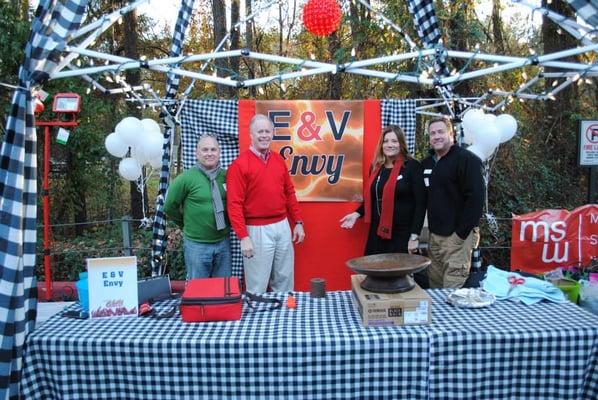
588,296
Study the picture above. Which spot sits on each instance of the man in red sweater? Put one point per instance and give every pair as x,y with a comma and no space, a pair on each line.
260,197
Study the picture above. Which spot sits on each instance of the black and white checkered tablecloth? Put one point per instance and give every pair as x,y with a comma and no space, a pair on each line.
321,351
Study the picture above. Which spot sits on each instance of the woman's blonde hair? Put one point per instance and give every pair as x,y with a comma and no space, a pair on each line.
379,157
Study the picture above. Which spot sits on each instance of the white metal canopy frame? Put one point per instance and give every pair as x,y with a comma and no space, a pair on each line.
57,29
563,73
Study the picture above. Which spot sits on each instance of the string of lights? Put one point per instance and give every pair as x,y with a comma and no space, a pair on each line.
477,64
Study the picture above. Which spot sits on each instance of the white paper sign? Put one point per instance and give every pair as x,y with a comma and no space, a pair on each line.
63,136
112,286
588,143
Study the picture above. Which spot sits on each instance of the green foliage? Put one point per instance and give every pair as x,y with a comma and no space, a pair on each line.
13,36
85,183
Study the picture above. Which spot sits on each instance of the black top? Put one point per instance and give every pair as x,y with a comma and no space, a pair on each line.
455,185
410,199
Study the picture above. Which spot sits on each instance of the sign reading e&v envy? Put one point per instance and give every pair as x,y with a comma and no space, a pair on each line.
321,143
112,286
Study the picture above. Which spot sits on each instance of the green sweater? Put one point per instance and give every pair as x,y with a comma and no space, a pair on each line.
189,205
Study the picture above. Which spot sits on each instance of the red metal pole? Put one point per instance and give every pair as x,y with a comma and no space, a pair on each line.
46,198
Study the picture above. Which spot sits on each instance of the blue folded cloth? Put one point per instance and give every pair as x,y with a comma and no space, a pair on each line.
529,291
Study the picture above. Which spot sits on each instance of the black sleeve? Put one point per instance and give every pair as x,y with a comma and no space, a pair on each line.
419,194
471,180
361,209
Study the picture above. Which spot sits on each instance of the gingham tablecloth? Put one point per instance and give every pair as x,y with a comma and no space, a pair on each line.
321,351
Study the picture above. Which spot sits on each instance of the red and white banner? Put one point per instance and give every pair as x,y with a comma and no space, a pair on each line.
547,239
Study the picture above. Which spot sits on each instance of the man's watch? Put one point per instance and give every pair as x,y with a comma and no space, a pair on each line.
413,237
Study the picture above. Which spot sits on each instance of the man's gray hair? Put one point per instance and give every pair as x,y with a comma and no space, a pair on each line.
256,118
208,135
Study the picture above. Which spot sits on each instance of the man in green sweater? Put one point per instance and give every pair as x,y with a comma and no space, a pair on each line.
195,202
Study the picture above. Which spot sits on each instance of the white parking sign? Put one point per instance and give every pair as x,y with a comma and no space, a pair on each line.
588,143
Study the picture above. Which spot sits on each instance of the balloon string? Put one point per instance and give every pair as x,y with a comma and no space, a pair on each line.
141,184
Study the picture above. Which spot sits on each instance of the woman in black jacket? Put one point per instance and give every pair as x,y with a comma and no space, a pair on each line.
395,198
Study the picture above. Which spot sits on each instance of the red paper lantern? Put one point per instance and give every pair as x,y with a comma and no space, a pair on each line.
321,17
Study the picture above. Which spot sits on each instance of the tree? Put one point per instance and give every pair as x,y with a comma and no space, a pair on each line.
14,30
249,46
219,24
335,81
497,27
139,201
556,117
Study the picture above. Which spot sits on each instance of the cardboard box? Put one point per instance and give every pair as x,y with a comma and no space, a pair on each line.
391,309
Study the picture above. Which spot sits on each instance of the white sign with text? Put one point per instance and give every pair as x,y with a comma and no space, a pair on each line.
588,143
112,286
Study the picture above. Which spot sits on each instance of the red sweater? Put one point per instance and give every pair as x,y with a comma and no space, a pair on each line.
259,193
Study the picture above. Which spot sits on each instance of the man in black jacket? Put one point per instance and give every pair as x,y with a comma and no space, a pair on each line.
455,184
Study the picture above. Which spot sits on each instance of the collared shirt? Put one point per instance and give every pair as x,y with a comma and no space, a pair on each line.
263,156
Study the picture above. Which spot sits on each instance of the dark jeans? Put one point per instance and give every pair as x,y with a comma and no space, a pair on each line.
207,260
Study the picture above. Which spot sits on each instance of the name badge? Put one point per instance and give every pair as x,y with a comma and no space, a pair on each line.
427,171
399,177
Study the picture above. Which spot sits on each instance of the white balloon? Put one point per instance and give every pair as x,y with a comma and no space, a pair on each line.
475,125
152,144
470,118
478,152
489,119
115,145
138,153
468,135
129,169
149,125
507,125
130,130
156,163
488,139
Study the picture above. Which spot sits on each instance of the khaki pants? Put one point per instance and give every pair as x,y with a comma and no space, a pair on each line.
273,260
451,259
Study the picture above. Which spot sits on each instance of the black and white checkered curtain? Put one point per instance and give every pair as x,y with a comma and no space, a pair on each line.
426,24
424,17
401,113
53,22
586,10
172,85
221,118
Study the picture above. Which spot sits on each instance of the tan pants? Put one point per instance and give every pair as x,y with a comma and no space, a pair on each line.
273,260
451,259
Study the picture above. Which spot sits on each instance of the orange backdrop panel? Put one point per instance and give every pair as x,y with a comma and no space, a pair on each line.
327,247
